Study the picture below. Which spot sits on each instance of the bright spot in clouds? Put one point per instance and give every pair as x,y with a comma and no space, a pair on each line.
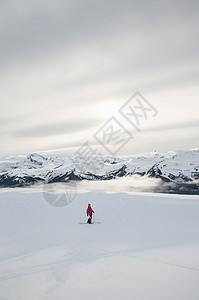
105,110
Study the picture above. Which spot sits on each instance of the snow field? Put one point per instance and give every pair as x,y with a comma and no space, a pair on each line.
147,247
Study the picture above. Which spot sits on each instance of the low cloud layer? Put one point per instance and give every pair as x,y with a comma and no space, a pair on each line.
129,184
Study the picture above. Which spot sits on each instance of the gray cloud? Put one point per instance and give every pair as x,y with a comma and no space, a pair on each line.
30,29
52,129
173,126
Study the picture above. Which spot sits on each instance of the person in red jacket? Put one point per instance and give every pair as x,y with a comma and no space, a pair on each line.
89,212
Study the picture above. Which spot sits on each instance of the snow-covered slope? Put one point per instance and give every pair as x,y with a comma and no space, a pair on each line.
146,247
179,167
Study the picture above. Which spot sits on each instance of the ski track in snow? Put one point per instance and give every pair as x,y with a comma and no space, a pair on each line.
79,254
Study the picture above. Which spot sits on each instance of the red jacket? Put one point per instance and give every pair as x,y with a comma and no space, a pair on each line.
89,211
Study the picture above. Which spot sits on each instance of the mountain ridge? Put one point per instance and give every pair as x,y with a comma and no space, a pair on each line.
179,167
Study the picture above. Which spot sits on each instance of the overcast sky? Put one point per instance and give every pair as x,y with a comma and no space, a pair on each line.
66,67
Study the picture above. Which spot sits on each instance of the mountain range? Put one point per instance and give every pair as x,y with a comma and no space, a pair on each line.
178,171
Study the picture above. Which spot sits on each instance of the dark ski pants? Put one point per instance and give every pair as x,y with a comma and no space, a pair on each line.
89,219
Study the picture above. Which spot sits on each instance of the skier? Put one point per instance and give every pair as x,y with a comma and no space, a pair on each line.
89,212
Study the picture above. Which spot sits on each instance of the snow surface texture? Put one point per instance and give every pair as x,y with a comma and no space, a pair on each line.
179,169
146,248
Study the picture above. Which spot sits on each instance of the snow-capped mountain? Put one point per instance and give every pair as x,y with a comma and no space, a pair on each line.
179,167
